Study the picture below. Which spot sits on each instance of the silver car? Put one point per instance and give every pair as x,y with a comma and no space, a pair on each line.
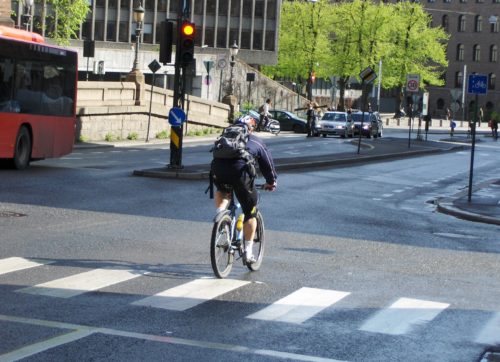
336,123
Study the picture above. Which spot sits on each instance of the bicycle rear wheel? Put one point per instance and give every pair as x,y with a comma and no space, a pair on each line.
220,247
258,244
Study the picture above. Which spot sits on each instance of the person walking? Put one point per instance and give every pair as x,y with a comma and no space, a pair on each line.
494,128
311,114
481,116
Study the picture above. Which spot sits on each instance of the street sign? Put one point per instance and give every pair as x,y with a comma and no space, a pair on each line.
454,106
176,116
207,80
425,103
412,82
456,93
477,84
221,62
368,75
154,66
208,65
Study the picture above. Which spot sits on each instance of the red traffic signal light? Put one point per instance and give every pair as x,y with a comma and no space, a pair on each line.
186,43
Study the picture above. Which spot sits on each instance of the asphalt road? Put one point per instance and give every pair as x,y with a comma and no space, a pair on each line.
359,265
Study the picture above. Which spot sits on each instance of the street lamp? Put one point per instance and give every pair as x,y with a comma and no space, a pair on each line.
138,18
233,50
229,98
27,13
135,74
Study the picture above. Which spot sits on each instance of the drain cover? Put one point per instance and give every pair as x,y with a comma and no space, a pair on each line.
10,214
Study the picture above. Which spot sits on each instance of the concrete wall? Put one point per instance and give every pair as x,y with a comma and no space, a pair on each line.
107,109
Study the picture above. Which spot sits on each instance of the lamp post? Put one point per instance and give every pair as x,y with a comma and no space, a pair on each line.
229,98
135,74
27,14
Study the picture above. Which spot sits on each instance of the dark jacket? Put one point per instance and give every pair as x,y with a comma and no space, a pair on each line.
232,169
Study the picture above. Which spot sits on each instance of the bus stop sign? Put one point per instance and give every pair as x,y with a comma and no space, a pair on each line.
478,84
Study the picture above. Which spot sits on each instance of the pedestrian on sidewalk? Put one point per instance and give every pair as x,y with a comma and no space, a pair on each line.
494,128
311,114
481,116
453,125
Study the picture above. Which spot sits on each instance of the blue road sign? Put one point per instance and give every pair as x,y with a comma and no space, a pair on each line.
176,116
478,84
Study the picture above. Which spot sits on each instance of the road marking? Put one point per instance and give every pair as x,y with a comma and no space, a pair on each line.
402,315
300,305
85,330
82,283
491,332
191,294
15,263
44,345
387,195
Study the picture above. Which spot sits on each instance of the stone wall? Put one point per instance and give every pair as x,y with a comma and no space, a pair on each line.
107,109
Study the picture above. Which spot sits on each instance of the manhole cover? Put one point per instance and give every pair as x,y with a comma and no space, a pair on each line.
10,214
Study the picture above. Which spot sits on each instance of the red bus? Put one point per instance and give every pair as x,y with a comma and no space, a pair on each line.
38,84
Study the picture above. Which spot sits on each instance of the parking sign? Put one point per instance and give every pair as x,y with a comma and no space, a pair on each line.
478,84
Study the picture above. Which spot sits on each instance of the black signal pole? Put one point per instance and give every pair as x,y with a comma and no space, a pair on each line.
176,132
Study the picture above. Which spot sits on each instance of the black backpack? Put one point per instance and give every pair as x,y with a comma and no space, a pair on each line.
232,143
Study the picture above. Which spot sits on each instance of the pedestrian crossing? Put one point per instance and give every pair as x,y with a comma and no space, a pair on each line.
399,317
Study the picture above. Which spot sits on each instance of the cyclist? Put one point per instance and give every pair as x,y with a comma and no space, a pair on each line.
233,175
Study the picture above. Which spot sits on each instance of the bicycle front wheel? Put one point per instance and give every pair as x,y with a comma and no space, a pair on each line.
258,244
221,255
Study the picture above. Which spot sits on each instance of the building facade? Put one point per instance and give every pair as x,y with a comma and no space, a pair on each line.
251,24
473,48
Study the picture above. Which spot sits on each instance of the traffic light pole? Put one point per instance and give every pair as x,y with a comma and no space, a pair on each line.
176,132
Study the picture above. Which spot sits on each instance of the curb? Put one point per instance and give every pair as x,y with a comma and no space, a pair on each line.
446,207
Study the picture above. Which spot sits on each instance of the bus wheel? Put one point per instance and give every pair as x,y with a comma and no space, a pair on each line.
22,151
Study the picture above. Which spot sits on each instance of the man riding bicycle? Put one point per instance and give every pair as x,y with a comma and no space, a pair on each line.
234,175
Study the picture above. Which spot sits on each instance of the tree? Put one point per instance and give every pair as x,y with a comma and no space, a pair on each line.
413,47
342,39
67,16
303,42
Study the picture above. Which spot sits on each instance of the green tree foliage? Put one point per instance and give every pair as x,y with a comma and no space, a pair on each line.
67,17
344,38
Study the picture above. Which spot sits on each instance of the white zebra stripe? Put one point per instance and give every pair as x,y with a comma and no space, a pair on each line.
82,283
191,294
402,315
15,263
300,305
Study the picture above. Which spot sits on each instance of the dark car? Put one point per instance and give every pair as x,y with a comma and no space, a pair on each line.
372,124
289,121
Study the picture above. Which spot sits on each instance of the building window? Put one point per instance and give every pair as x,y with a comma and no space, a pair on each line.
479,24
271,9
440,103
444,22
460,52
221,38
247,8
496,1
493,54
494,26
461,23
110,31
123,32
459,79
491,81
99,30
245,39
270,34
476,53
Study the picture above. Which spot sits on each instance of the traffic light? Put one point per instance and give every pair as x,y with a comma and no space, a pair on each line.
166,39
186,43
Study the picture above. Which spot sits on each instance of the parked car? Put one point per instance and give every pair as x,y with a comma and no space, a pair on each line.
289,121
335,123
372,124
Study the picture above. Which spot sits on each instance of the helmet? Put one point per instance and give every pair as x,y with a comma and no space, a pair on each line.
247,120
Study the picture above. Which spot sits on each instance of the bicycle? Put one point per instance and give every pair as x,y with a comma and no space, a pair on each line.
227,240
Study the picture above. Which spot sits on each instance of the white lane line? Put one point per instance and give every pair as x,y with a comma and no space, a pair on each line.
387,195
44,345
300,305
402,315
15,263
82,283
490,334
191,294
165,339
398,191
